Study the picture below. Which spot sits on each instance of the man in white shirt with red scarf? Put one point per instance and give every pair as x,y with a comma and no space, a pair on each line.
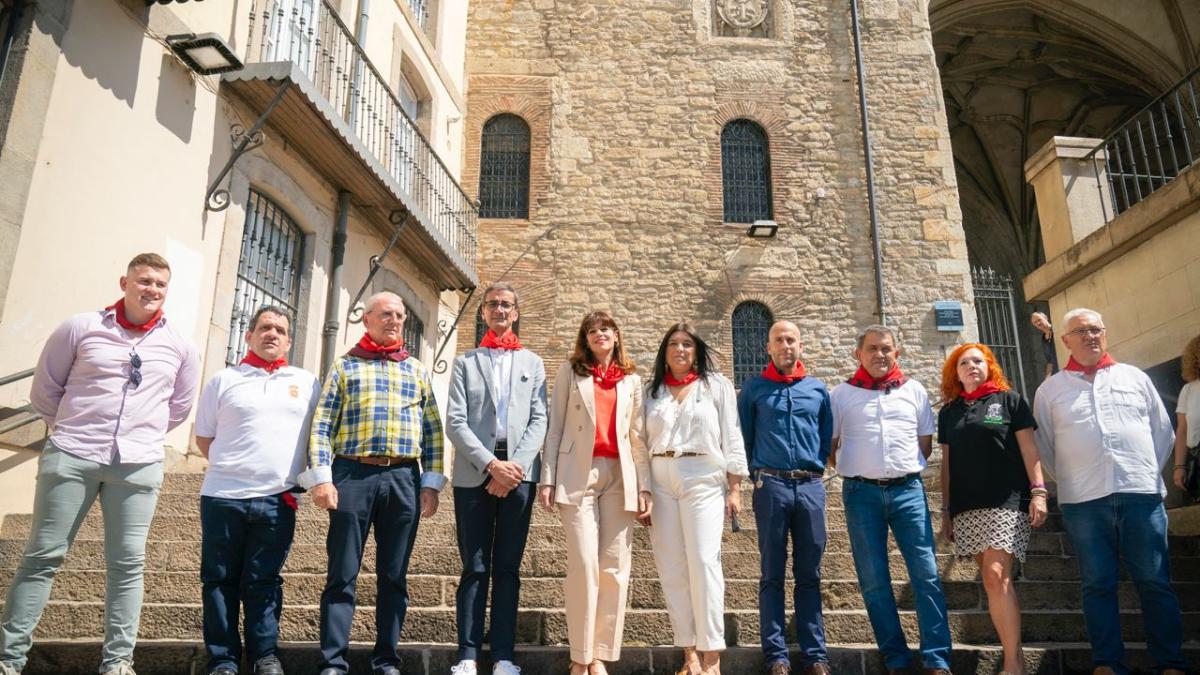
1105,436
252,425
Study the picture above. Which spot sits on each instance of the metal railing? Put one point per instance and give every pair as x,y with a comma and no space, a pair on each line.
1151,148
22,416
310,34
996,314
420,10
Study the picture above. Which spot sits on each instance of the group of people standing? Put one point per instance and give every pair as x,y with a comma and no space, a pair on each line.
606,452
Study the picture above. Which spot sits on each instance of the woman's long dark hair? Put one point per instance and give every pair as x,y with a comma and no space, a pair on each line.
703,365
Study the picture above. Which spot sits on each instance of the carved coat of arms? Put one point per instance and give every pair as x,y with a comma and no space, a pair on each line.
742,14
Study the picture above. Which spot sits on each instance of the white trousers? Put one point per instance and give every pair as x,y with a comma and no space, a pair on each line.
688,519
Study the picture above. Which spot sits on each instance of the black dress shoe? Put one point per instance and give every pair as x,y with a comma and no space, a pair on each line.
268,665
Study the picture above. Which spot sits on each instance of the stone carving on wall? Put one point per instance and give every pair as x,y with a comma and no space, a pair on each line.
742,18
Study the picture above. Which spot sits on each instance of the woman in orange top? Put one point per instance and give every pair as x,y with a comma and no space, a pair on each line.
596,472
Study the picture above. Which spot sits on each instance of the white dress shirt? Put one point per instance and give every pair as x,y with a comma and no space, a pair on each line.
1189,407
706,422
1097,438
879,431
259,423
502,360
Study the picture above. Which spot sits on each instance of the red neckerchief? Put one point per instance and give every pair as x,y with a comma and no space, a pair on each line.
609,378
891,380
509,341
1104,362
982,390
118,308
772,373
368,349
257,361
687,379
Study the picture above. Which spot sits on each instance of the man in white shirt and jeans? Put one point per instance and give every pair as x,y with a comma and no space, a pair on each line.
252,424
882,434
1105,436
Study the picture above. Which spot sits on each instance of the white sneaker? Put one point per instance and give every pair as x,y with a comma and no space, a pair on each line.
464,667
122,668
505,668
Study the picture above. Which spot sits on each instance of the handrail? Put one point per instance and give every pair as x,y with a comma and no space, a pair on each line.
17,376
1150,148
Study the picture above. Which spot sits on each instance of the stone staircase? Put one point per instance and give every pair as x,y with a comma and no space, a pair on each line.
170,639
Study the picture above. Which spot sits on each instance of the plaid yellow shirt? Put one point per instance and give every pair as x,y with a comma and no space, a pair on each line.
379,409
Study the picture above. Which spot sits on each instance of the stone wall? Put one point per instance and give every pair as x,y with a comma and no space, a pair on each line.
626,102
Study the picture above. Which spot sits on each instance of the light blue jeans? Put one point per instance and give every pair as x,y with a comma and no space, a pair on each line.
66,488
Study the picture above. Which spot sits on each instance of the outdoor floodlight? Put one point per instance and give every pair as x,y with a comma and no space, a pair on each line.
762,229
205,54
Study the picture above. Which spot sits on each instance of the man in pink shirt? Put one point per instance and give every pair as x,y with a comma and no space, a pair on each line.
110,385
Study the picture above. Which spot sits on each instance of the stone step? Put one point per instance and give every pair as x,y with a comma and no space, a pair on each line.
439,533
550,562
168,657
643,627
430,591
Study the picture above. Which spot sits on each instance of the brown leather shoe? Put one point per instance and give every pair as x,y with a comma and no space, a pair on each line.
818,668
780,668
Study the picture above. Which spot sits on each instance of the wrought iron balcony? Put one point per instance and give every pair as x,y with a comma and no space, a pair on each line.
335,108
1151,148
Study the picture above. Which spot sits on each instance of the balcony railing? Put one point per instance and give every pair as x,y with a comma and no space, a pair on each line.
1151,148
311,35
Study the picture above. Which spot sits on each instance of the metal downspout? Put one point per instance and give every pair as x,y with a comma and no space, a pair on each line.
867,156
333,293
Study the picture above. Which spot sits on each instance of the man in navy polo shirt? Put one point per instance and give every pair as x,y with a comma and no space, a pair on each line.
787,423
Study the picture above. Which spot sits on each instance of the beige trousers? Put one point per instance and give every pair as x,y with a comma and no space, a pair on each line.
599,537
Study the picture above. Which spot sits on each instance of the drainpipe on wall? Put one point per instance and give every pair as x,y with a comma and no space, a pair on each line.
866,134
333,294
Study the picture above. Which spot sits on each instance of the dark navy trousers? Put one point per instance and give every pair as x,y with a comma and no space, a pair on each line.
388,498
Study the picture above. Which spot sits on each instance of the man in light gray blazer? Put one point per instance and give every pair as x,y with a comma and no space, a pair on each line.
496,420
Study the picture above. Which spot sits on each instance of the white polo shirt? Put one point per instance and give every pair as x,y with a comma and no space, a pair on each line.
259,423
879,431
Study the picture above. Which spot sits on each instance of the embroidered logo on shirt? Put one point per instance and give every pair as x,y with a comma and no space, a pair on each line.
994,414
294,391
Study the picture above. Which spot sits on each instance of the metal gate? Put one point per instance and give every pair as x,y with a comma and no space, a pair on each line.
996,313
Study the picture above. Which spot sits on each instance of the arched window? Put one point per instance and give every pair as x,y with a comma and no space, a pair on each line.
751,328
268,270
745,172
504,168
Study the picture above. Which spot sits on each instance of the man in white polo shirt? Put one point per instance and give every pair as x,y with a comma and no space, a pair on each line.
882,436
1105,436
252,424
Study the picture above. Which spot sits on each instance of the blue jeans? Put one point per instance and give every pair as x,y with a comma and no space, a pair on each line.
1132,527
244,543
796,507
388,498
491,542
870,511
66,488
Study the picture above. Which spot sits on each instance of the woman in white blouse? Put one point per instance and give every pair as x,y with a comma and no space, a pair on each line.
697,464
1187,433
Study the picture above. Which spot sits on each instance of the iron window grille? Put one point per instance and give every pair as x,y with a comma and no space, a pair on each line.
504,168
268,269
745,172
414,329
751,329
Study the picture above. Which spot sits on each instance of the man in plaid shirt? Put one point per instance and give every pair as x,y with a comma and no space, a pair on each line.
376,444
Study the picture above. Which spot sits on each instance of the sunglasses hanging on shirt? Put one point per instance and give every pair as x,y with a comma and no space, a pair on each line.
135,369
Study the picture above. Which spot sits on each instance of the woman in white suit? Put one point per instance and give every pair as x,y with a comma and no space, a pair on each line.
596,472
698,461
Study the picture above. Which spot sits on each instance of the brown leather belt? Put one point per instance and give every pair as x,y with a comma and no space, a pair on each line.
379,461
676,453
792,474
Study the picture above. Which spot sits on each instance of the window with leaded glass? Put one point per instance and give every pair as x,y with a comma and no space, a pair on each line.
751,329
268,269
745,172
504,168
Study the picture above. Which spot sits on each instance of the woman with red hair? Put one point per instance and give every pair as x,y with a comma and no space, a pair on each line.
991,481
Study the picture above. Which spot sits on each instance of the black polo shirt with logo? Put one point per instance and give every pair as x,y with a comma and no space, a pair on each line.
986,469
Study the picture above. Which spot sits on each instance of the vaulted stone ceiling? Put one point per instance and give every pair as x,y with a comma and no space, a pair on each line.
1016,72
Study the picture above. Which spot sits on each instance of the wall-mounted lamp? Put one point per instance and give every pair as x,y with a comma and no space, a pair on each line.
205,54
762,229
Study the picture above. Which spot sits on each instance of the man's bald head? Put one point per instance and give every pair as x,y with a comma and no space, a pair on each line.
384,318
783,345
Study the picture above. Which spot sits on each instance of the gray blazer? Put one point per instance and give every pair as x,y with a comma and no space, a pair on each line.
471,415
